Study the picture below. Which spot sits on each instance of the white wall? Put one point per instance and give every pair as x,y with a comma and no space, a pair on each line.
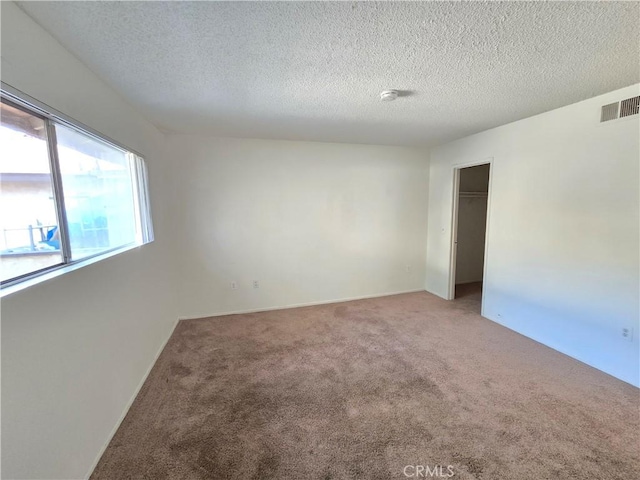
75,348
563,257
311,222
472,222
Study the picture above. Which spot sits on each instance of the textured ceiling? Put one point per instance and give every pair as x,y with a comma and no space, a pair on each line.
314,71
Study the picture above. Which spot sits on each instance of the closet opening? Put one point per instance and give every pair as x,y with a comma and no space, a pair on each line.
470,213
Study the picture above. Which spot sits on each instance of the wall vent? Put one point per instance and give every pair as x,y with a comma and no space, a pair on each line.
609,112
630,106
625,108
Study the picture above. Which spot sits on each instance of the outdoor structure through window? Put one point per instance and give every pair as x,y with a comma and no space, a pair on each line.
66,194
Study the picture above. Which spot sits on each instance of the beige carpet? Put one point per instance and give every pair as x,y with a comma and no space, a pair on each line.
372,389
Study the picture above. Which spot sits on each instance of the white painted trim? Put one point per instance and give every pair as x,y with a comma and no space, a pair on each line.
453,253
486,237
130,402
298,305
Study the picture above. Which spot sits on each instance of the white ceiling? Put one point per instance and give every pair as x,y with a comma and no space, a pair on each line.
314,71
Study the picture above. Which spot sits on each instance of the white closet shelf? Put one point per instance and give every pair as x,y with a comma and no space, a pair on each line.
474,194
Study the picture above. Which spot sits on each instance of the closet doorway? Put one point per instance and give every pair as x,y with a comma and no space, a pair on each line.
470,213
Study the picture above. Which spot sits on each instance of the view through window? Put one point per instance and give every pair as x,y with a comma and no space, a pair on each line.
98,193
30,239
65,195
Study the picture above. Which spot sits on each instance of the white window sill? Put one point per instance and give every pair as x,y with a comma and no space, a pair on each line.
61,270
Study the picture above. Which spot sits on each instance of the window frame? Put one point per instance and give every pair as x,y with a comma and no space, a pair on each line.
140,186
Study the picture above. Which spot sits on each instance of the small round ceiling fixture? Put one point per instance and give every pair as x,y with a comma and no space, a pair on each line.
389,95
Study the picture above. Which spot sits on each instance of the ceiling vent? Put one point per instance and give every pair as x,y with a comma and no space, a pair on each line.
625,108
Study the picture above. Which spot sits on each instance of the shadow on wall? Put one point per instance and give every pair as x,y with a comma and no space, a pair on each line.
576,332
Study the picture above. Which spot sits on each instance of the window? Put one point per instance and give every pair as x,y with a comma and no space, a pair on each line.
66,194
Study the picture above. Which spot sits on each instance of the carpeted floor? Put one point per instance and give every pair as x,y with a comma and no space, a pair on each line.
373,389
